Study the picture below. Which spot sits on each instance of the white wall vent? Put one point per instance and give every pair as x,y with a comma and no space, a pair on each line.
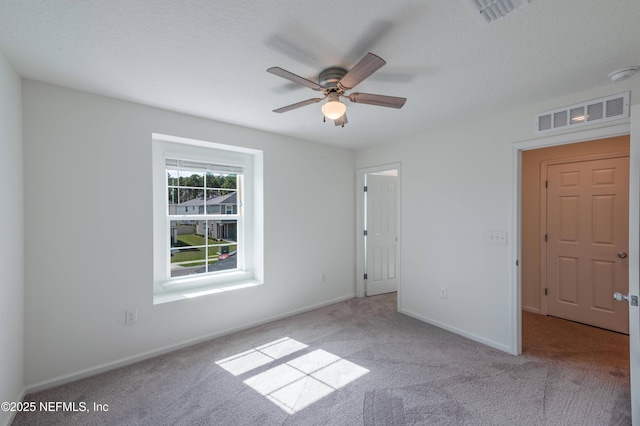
489,11
614,107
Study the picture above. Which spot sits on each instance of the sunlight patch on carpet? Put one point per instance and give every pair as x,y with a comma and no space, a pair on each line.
262,355
297,383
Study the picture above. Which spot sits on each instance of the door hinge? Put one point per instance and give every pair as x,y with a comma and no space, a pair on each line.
545,291
517,263
365,276
365,232
546,183
365,189
545,238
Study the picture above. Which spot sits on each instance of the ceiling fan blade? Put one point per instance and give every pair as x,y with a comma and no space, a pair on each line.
298,105
363,69
341,121
295,78
380,100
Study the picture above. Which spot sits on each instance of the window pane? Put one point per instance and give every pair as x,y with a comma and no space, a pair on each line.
185,200
213,180
172,177
184,234
193,253
221,180
185,192
187,262
222,244
222,201
188,248
174,200
191,179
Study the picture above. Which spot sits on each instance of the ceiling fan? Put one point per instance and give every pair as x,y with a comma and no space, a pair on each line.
334,82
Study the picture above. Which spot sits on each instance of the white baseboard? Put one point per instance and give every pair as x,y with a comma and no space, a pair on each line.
458,331
92,371
12,415
534,310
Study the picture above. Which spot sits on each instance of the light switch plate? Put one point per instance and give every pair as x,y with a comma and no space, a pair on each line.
497,237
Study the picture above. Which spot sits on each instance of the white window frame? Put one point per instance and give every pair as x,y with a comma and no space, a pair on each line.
249,269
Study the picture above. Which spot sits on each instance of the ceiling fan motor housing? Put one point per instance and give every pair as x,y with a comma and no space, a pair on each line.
330,77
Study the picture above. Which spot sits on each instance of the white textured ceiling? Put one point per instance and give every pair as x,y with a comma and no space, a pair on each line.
209,57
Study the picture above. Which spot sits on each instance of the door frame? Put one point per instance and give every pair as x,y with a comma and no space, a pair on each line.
515,341
632,129
544,165
360,211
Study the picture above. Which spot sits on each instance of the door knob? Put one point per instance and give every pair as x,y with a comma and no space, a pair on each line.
620,296
632,299
622,254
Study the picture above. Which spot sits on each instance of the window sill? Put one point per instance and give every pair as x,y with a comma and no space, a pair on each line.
191,293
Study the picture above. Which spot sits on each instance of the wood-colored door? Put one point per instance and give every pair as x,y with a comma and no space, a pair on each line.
587,241
381,236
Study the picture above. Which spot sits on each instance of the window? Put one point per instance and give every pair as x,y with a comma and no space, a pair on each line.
202,241
207,221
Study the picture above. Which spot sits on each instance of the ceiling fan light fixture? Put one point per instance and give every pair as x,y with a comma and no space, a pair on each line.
333,108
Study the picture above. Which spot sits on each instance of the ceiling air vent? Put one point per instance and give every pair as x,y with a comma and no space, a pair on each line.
614,107
489,11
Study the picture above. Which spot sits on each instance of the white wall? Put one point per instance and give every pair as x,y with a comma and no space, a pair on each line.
11,236
457,185
88,169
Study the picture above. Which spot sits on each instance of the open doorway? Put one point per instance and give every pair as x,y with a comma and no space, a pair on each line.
560,290
378,230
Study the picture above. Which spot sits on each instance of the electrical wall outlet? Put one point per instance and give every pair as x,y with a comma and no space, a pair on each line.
131,317
443,293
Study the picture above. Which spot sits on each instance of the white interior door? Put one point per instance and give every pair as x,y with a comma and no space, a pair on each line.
587,229
381,238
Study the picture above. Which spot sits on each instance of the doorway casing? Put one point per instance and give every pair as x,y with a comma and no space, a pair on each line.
515,314
360,212
516,163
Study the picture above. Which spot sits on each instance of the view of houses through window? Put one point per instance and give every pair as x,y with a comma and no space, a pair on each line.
204,217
